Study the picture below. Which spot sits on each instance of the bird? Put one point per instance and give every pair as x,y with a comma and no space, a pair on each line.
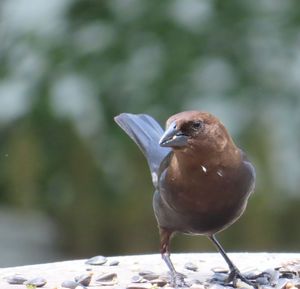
202,180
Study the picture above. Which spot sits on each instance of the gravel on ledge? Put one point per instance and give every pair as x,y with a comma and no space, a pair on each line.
142,271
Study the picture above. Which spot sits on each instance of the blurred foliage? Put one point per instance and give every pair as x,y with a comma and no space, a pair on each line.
68,67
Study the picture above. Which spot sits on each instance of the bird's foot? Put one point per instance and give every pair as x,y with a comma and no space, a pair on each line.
235,274
177,280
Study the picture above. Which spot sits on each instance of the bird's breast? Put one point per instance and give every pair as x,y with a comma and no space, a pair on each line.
213,197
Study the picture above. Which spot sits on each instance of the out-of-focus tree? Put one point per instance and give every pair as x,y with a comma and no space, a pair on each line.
67,67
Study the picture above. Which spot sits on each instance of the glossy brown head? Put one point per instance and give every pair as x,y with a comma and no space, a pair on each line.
196,131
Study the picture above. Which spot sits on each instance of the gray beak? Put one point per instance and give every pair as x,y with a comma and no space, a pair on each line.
173,137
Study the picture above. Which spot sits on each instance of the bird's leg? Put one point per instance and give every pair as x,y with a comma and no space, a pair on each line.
177,279
234,271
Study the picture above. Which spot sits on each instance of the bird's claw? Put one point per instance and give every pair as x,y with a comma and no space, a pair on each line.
235,274
177,280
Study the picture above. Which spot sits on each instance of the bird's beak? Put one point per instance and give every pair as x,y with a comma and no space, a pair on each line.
173,137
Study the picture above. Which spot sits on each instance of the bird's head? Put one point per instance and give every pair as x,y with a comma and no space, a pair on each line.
195,130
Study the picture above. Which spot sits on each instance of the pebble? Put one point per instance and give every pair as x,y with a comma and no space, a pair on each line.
16,279
289,285
165,277
37,282
150,276
158,282
70,284
219,277
107,279
84,279
97,260
137,279
251,273
114,263
262,280
281,283
273,276
287,275
191,266
195,281
145,272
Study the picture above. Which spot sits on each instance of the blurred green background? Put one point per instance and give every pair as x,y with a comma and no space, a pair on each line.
73,185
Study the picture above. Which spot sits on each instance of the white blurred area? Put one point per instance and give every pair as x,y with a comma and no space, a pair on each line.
26,237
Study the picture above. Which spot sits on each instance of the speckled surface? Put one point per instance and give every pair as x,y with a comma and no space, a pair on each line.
129,266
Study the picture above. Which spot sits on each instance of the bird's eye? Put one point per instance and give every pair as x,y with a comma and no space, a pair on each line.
196,124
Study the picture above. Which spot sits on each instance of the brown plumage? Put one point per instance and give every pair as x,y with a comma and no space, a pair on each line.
202,179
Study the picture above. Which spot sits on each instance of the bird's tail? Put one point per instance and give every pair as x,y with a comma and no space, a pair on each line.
145,132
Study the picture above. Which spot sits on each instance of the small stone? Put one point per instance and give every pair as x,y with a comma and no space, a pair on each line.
145,272
37,282
165,277
114,263
97,260
70,284
288,275
195,282
251,275
281,283
289,285
150,276
15,279
137,279
84,279
158,282
272,275
287,272
262,280
107,279
219,277
191,266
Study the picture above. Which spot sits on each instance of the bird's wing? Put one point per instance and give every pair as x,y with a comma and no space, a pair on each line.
145,132
251,168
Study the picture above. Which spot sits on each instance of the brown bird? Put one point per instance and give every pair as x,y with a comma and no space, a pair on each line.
202,179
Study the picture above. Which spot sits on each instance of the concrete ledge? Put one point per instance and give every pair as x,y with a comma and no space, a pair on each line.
129,266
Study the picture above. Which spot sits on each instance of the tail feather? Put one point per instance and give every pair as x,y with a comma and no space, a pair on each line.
145,132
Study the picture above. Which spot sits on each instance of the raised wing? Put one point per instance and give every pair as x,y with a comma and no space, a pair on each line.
145,132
